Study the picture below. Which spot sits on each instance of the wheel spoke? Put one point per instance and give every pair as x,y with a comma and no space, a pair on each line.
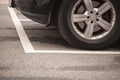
89,30
89,5
79,17
104,8
104,24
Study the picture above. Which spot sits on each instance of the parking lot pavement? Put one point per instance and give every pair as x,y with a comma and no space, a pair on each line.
15,64
4,1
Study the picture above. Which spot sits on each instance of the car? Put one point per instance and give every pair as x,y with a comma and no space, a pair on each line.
85,24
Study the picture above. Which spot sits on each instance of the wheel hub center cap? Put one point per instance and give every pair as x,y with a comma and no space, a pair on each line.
93,16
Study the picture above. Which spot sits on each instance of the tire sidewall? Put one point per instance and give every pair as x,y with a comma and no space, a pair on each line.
65,16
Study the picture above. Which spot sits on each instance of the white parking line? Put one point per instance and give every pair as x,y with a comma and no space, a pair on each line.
21,32
29,48
73,52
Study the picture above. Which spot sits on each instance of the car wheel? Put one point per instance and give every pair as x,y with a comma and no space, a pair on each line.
90,24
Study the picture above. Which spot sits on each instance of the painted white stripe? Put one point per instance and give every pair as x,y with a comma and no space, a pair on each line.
21,32
29,48
72,52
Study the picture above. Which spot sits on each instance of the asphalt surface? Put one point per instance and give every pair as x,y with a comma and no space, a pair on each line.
15,64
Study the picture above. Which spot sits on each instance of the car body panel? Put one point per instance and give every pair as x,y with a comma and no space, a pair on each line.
37,10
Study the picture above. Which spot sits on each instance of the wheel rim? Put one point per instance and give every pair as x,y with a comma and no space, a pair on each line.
93,19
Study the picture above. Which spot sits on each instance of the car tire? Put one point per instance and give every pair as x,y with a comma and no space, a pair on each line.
93,30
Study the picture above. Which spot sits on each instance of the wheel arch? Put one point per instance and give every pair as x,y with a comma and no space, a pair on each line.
54,13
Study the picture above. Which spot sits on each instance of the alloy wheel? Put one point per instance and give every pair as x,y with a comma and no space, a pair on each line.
93,19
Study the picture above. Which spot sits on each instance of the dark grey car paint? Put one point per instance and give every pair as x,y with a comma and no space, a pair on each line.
37,10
